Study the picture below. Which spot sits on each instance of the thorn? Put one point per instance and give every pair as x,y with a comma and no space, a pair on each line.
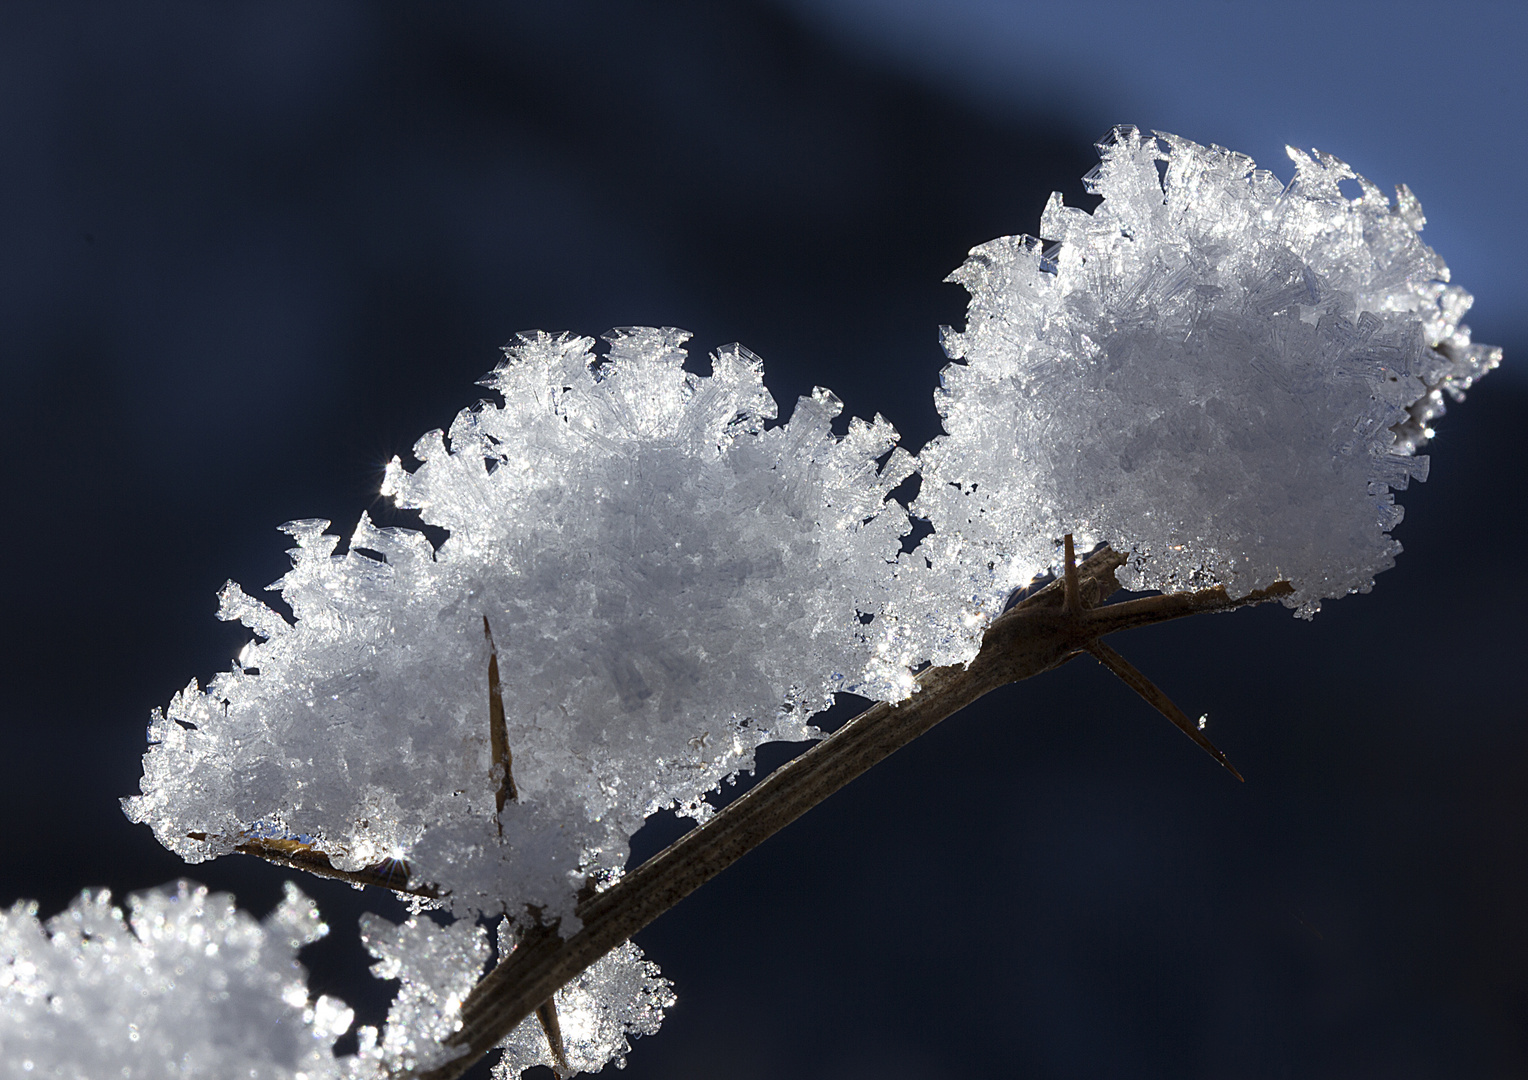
1073,603
498,733
1132,678
546,1012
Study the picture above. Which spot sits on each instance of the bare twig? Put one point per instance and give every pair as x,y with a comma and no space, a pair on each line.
1041,632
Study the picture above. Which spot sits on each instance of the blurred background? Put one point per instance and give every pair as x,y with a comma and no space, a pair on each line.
251,251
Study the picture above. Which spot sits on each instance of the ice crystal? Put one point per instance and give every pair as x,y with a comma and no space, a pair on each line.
1222,375
669,582
436,967
184,985
618,996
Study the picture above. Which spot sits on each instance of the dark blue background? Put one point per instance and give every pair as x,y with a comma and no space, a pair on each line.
252,251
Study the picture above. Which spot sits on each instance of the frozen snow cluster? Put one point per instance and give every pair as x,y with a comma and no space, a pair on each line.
185,985
188,985
669,583
1219,373
646,577
436,966
617,996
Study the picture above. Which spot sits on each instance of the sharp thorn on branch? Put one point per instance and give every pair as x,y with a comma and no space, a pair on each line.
1073,603
498,733
1133,678
546,1012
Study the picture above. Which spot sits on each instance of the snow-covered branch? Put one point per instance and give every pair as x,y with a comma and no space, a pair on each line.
648,576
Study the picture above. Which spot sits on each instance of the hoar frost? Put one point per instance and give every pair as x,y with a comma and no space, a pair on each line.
1220,374
184,984
669,583
617,997
436,966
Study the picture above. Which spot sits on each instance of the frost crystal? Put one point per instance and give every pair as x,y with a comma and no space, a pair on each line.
618,996
669,583
186,985
1223,375
436,967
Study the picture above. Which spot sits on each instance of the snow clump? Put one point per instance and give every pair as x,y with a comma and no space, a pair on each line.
1221,374
184,985
617,997
669,582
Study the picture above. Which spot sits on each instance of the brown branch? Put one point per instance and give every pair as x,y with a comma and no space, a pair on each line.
1041,632
1150,610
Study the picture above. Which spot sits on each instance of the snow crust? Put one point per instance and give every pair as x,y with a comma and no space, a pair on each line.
1223,375
669,583
184,984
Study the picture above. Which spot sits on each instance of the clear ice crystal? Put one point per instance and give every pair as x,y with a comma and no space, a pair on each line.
669,583
1223,375
183,984
619,996
436,967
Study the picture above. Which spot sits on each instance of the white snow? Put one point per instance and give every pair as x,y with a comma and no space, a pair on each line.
619,996
183,984
669,584
1223,375
1220,374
